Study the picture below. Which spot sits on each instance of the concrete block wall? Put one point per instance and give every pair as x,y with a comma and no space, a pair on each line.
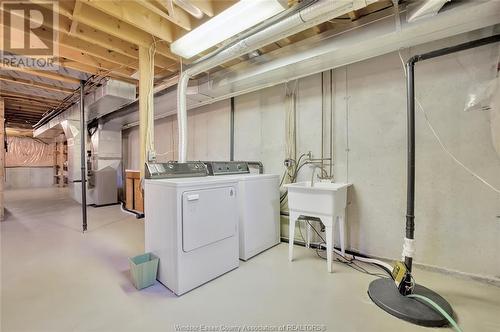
457,224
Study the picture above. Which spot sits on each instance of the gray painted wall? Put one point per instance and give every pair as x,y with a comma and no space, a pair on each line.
208,130
457,226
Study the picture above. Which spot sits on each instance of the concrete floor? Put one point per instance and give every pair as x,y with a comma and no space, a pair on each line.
54,278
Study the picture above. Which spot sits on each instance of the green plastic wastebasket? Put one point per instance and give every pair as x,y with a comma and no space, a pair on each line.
143,269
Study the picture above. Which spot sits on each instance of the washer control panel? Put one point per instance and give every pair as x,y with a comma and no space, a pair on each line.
175,170
227,167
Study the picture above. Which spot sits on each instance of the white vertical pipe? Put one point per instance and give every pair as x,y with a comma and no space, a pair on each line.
182,115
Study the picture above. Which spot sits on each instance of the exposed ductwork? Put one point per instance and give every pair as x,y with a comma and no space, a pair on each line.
424,9
366,38
316,13
109,97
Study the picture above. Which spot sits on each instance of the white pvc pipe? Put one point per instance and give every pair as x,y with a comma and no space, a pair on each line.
321,11
182,115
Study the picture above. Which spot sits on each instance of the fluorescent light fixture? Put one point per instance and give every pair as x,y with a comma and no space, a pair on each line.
237,18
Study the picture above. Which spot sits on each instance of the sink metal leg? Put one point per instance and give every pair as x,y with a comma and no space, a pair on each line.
292,219
308,234
329,245
342,236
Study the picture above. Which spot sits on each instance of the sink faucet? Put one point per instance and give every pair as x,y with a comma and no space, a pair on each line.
313,172
323,175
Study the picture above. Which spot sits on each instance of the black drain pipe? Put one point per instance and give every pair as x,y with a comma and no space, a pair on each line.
410,187
410,74
398,299
83,138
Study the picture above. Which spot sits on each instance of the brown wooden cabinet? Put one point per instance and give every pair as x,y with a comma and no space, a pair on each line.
133,193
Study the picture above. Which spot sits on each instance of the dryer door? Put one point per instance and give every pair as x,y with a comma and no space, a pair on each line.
208,216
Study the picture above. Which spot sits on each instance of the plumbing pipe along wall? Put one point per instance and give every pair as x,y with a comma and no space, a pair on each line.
410,73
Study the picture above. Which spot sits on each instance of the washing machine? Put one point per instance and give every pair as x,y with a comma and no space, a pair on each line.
259,205
191,224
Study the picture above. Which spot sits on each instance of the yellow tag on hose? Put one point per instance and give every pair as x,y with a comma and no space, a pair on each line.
399,273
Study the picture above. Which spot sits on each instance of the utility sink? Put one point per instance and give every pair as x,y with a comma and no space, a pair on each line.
325,198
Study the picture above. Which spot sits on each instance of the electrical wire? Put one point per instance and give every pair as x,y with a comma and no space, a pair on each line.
350,262
443,146
436,307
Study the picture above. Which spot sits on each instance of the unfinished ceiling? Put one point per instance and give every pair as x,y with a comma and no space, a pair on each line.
103,38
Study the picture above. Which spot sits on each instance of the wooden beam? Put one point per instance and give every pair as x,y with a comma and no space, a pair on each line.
205,6
42,73
71,64
106,31
19,125
64,8
41,105
27,123
120,60
9,116
114,27
137,16
221,5
25,108
27,104
105,45
98,51
168,5
97,44
99,38
179,18
74,23
12,94
76,54
35,84
96,62
22,113
108,24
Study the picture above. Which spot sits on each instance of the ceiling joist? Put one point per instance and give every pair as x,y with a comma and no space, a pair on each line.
42,73
179,17
31,97
72,64
28,103
27,110
205,6
136,15
35,84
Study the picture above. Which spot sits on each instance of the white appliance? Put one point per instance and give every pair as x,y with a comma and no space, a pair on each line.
192,226
259,206
259,217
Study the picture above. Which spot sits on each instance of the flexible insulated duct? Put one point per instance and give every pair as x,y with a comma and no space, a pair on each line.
318,12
